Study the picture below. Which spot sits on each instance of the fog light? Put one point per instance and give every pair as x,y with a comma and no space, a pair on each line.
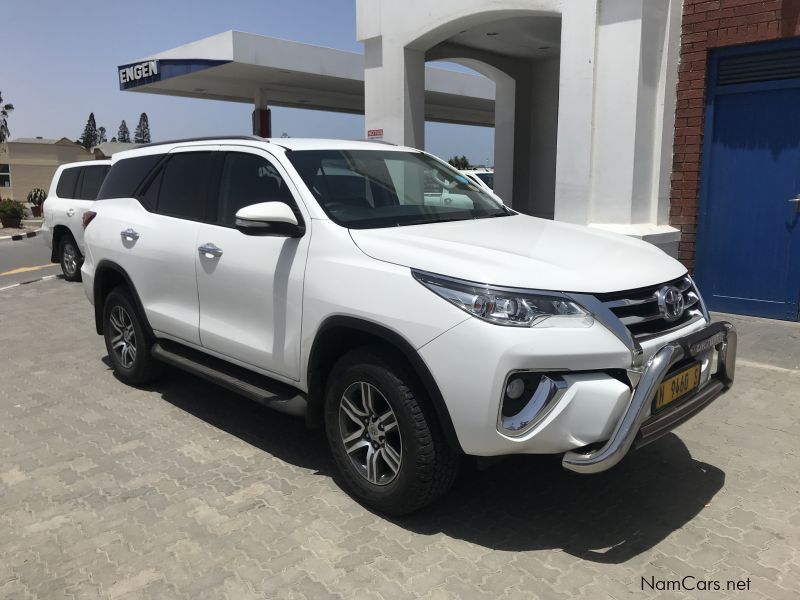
515,388
529,397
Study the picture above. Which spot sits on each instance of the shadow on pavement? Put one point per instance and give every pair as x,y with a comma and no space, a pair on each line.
522,503
532,503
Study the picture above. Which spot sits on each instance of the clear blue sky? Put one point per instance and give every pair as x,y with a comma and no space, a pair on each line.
59,60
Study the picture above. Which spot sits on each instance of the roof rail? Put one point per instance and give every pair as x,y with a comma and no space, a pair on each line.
211,138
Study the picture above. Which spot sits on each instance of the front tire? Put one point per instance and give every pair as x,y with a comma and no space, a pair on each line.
127,341
384,434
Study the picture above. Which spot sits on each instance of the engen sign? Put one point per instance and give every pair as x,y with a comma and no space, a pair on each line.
138,71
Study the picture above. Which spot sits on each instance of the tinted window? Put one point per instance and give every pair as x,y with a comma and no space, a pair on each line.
91,181
183,193
5,175
66,183
248,179
126,176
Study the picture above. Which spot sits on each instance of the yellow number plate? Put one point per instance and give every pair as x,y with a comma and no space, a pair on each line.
678,386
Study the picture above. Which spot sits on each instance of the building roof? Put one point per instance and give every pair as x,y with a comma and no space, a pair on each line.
234,66
108,149
40,140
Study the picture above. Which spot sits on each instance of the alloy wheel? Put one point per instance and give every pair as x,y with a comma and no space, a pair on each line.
370,433
70,257
123,336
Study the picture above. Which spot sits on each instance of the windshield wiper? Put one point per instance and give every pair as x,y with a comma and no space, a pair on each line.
429,221
505,213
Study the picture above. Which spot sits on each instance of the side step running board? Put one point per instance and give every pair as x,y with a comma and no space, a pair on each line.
273,394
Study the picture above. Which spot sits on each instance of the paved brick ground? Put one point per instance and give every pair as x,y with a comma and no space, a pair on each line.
186,491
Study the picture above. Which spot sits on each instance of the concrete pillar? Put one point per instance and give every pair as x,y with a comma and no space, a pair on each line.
575,111
261,99
262,116
617,89
618,73
634,78
394,86
504,130
543,142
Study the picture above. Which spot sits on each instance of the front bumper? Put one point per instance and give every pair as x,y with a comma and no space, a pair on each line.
637,426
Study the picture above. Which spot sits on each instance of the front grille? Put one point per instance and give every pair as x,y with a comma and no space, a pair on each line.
639,312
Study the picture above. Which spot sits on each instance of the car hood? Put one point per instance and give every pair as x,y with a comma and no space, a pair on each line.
522,251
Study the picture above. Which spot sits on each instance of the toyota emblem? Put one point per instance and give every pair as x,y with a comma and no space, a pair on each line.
670,303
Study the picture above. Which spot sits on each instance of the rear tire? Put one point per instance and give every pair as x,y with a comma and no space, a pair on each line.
127,341
384,434
70,257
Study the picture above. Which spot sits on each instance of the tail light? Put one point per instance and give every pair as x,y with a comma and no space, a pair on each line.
87,217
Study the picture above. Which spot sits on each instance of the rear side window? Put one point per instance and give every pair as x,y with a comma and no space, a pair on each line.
66,183
183,191
126,176
91,181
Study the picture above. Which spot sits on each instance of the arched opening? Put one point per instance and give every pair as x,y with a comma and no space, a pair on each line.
521,55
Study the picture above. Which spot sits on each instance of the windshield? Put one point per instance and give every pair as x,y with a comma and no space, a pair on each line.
362,189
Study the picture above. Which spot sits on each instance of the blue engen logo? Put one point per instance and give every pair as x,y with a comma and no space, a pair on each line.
149,71
132,74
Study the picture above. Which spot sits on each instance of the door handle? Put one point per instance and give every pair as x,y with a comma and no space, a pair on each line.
795,200
129,234
210,250
70,212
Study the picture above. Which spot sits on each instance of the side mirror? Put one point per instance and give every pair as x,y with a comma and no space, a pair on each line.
269,218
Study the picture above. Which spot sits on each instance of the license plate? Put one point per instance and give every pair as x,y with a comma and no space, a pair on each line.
677,386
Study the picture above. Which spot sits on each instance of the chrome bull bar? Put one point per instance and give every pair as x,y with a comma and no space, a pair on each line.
636,426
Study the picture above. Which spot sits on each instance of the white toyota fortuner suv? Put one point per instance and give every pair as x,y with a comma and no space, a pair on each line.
326,279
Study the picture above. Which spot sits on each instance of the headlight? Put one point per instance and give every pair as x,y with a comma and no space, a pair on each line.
502,306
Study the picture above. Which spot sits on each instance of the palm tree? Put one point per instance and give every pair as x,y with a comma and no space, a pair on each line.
4,110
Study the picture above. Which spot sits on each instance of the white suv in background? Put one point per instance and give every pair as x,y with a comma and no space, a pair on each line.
72,192
483,177
324,279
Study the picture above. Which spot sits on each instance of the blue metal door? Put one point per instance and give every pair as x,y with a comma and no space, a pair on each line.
748,243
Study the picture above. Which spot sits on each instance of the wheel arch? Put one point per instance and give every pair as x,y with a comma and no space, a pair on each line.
107,276
340,334
59,231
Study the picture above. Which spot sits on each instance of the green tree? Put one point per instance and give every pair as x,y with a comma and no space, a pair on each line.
101,135
459,162
142,133
4,110
89,138
123,135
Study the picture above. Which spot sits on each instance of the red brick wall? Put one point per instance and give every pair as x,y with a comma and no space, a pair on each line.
706,25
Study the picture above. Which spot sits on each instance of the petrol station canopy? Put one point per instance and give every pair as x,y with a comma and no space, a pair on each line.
259,70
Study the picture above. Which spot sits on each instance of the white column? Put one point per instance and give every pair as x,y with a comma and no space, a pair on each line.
394,92
504,113
616,111
633,117
575,111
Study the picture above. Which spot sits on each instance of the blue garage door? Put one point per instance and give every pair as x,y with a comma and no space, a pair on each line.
748,242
